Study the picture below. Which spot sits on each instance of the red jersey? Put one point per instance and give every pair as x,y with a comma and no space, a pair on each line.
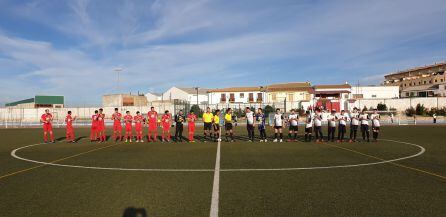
152,117
116,117
101,120
139,119
166,120
94,120
128,120
46,118
69,121
191,118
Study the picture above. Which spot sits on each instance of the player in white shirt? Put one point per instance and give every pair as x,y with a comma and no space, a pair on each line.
354,123
278,125
317,119
331,118
250,123
342,125
375,124
364,119
293,122
308,126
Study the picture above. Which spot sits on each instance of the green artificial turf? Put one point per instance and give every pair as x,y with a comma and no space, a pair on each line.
373,190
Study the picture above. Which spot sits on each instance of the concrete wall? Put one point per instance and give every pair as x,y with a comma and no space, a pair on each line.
401,104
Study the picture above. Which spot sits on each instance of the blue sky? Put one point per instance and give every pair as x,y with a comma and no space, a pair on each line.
71,47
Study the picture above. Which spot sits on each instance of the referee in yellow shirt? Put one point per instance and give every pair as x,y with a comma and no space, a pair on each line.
207,120
229,125
216,123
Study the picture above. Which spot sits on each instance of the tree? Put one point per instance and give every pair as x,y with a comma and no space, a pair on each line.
197,111
268,109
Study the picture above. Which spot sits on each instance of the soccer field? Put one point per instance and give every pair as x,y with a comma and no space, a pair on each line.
404,174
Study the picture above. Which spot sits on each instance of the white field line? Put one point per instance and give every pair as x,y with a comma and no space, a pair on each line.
216,185
422,150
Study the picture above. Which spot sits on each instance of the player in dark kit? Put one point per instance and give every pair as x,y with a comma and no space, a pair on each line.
179,120
261,124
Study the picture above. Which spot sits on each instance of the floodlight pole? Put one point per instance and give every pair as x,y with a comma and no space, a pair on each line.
196,88
118,70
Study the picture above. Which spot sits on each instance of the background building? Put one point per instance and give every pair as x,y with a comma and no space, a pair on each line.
289,95
374,92
332,96
426,81
152,97
118,100
236,95
188,94
38,102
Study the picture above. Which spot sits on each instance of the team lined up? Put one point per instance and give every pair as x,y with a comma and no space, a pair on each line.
212,123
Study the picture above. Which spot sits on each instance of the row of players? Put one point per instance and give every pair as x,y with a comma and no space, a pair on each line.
212,123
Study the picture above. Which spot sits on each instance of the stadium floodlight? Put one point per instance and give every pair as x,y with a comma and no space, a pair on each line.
196,88
118,70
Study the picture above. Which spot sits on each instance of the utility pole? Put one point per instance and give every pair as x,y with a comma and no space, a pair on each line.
196,88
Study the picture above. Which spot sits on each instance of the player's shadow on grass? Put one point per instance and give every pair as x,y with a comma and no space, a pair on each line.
61,138
79,138
134,212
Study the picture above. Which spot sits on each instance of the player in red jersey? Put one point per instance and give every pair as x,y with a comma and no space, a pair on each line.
152,118
47,120
128,119
94,126
117,126
139,121
70,130
166,123
191,118
101,125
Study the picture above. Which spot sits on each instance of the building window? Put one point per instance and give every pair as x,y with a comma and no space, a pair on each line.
251,97
231,97
273,97
242,95
223,98
424,82
441,80
259,97
373,96
290,97
430,82
435,80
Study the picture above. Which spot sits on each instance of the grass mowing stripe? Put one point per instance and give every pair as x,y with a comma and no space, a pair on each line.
55,161
393,163
216,185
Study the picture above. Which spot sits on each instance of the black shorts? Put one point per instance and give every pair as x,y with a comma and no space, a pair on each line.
250,127
278,127
207,126
293,128
216,127
228,126
308,129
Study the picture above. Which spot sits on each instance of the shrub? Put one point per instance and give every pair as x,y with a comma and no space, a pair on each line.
410,111
381,107
197,110
420,110
268,109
